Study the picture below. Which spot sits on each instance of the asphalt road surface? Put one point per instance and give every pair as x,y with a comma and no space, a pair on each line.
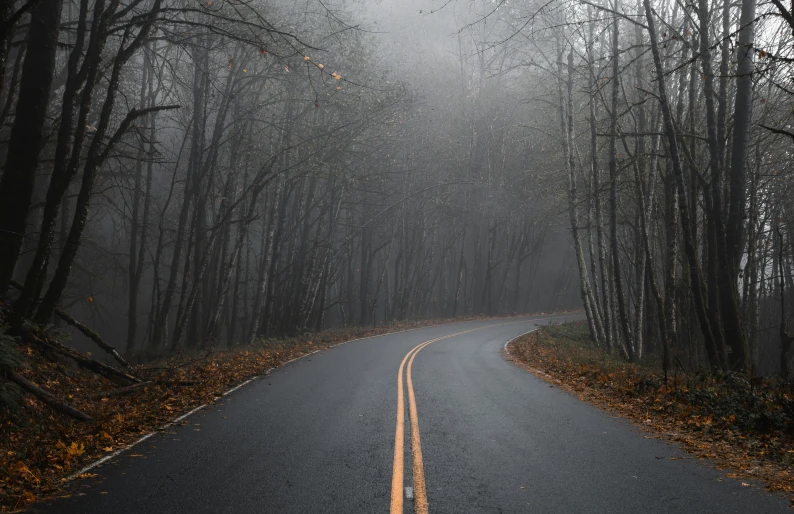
330,433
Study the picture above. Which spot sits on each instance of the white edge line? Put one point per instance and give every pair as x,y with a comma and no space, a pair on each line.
515,338
238,386
110,456
550,318
513,359
183,416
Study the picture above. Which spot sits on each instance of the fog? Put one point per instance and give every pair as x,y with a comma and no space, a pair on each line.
213,175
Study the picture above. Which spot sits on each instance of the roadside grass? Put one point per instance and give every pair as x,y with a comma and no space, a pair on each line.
40,448
745,426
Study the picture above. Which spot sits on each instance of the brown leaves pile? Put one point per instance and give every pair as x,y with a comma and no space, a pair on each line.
667,411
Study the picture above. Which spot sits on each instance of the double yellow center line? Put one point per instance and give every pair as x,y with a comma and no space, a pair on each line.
398,471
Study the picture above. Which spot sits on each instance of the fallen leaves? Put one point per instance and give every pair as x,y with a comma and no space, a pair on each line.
75,450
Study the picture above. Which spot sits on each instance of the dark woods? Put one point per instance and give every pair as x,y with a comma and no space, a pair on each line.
187,174
182,174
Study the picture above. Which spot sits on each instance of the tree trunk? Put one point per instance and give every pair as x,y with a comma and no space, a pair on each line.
567,138
613,179
741,135
27,134
724,281
696,280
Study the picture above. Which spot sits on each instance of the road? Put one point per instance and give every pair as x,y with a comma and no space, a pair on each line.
323,435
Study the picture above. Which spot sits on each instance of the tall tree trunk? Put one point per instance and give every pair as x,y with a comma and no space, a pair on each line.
741,135
69,146
725,282
606,302
267,261
696,280
137,229
95,156
567,138
194,163
27,134
613,195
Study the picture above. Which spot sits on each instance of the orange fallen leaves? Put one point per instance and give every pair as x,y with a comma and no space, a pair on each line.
75,450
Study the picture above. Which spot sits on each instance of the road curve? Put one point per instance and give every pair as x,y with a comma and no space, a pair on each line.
319,435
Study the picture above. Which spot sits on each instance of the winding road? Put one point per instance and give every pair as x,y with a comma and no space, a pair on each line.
429,420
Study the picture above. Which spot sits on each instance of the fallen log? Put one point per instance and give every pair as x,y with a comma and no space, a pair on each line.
47,398
84,330
91,335
97,367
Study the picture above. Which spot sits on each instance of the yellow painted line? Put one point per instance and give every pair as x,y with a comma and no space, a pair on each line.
399,449
420,490
398,468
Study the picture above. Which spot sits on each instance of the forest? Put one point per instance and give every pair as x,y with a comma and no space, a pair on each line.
187,174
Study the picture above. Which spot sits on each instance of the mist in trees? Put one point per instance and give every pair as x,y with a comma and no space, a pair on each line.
185,174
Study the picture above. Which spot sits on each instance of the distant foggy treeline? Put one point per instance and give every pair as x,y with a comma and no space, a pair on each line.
181,174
